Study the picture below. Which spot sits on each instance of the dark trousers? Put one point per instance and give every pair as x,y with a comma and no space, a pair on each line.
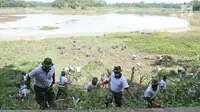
44,96
149,101
117,97
60,91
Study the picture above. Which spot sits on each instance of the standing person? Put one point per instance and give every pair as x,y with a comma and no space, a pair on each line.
44,78
163,84
151,93
182,72
118,82
92,84
63,83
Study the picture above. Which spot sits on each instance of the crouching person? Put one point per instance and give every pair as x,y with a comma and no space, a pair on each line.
23,92
62,87
118,82
91,85
151,93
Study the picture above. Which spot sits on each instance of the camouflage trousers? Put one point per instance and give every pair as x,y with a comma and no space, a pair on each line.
44,96
114,97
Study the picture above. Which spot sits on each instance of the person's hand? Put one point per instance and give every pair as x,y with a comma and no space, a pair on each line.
52,85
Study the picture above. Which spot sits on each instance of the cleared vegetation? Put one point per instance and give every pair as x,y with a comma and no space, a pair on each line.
18,56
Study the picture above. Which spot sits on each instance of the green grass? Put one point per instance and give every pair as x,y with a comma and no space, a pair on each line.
183,44
49,28
18,56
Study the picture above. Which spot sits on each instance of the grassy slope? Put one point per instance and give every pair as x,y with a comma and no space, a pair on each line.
17,56
25,55
182,44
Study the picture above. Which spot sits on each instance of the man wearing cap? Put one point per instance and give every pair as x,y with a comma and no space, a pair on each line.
118,82
92,84
44,78
63,83
151,92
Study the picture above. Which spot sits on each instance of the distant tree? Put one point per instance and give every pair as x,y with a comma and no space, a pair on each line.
196,5
58,3
38,4
12,3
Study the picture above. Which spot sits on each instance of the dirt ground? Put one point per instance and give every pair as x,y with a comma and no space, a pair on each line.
84,53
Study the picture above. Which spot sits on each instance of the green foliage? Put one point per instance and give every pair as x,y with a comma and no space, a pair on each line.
12,3
196,5
92,100
178,95
21,3
10,76
58,3
37,4
147,5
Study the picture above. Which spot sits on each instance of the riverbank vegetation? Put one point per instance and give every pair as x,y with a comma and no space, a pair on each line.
117,49
24,55
90,5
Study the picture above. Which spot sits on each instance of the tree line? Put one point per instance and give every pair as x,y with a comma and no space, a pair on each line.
195,3
147,5
57,3
78,3
21,3
82,4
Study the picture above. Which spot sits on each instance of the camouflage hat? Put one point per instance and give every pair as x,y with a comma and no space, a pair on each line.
154,82
95,79
117,69
47,61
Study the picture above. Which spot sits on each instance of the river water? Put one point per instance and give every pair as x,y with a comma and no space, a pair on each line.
69,25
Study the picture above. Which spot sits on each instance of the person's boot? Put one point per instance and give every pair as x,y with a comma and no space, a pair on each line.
43,106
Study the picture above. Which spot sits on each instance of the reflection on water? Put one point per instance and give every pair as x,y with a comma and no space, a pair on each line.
77,24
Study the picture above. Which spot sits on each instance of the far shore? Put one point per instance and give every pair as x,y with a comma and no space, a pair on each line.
193,20
91,10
